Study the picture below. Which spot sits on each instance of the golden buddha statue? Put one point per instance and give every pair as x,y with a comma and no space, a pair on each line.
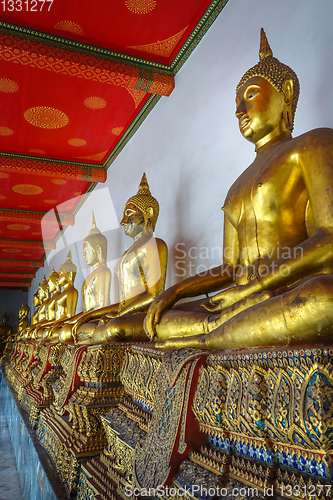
96,288
278,234
54,291
65,303
5,328
36,302
141,273
23,320
43,295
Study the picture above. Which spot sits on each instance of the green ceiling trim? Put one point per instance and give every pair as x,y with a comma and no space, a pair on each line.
197,34
83,48
50,160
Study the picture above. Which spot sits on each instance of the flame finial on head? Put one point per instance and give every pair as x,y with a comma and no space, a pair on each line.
265,49
68,266
96,238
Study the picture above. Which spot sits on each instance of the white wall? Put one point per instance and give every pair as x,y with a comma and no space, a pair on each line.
190,146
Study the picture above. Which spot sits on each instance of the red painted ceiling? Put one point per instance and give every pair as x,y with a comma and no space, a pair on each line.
76,79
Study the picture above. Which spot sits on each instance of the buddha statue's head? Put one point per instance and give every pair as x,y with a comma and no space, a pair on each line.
43,290
67,272
35,299
266,97
141,211
25,310
53,281
95,246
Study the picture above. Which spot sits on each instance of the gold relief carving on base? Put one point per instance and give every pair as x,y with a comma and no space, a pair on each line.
281,396
139,376
152,457
102,363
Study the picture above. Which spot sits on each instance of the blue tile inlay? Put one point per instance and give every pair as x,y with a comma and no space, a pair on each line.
33,480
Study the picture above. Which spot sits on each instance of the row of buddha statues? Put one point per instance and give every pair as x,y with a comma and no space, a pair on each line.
141,272
262,294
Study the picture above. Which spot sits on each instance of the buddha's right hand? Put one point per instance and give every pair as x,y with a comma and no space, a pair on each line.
163,302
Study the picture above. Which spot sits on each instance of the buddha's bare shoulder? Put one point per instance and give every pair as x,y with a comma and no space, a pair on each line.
314,139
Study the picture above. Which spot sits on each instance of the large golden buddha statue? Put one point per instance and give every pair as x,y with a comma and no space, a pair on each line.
278,233
96,288
141,273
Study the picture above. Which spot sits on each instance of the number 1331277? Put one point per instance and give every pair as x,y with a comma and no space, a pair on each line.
26,5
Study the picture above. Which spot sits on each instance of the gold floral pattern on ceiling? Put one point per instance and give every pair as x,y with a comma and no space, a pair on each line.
161,48
18,227
27,189
6,131
96,157
140,6
69,26
117,130
95,102
46,117
8,86
77,142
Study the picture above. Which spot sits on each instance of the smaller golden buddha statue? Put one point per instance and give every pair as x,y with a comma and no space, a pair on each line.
5,328
54,289
96,288
141,272
39,316
65,303
43,295
36,302
23,320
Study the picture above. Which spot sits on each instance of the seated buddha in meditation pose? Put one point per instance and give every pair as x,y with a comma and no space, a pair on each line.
54,289
5,328
41,297
65,303
36,302
141,273
23,321
278,234
96,288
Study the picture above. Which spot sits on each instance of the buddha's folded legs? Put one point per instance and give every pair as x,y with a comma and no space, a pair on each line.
303,315
126,328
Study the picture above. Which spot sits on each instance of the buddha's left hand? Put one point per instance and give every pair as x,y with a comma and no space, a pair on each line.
231,295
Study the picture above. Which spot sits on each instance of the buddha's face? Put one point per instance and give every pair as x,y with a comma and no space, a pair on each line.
133,220
259,109
89,254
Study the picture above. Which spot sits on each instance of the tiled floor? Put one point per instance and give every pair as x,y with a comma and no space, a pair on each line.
9,482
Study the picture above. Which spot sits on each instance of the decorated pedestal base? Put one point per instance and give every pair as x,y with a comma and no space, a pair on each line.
153,430
19,369
258,421
70,430
39,394
264,417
